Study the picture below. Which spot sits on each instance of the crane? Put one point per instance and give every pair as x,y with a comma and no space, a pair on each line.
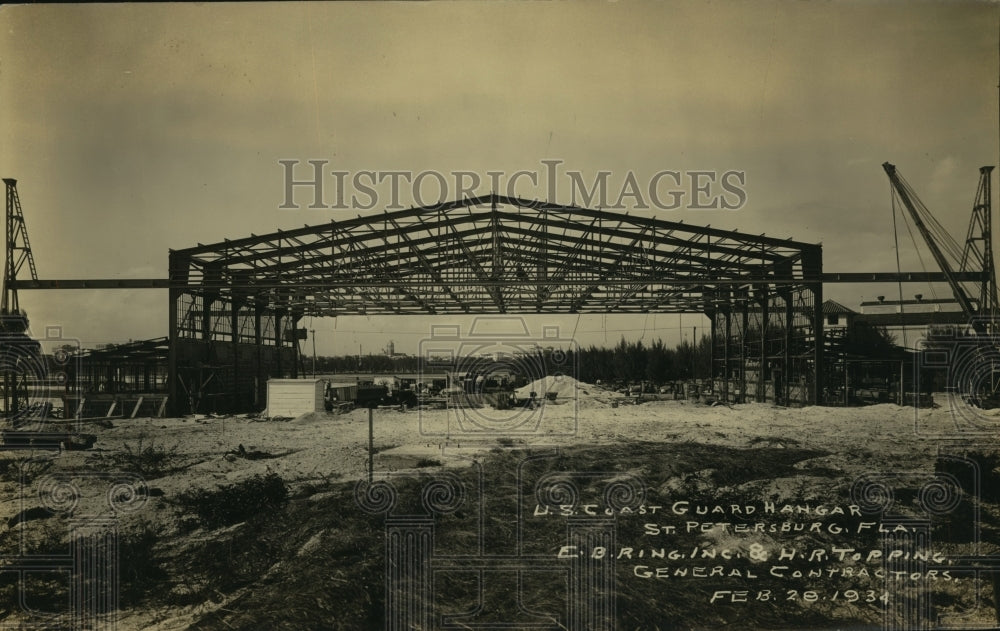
977,254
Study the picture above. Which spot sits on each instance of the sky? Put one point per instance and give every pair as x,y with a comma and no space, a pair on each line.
133,129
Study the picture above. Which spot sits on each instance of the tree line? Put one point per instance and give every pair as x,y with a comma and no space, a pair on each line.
627,361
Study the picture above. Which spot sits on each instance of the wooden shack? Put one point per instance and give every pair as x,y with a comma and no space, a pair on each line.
294,397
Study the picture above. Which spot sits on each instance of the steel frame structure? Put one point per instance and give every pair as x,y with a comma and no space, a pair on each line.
235,305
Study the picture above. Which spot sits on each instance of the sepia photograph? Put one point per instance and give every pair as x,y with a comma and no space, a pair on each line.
431,316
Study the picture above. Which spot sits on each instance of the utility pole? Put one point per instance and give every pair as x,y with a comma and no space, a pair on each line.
312,333
694,350
371,445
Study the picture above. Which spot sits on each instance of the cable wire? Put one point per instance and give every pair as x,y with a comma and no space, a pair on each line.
899,282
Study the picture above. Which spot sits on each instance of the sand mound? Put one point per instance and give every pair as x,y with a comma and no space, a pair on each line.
564,387
313,417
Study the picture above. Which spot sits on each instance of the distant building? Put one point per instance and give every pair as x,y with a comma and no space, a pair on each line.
837,316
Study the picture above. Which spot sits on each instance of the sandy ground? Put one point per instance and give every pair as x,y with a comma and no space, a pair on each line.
320,447
324,447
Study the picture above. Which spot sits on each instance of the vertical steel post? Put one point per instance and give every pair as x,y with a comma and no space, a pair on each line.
787,372
173,337
765,316
902,385
371,445
234,321
820,342
745,323
812,272
295,346
725,376
278,318
258,340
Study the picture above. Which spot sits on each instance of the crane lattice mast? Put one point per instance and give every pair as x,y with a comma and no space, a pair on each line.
18,251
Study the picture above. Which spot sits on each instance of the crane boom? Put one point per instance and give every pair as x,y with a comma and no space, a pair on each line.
907,196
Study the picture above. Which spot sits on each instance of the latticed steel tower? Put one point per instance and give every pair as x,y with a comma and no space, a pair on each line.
18,251
978,254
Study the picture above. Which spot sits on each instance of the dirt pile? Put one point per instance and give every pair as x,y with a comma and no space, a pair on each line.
564,388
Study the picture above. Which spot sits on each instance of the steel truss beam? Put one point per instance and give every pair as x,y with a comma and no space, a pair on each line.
164,283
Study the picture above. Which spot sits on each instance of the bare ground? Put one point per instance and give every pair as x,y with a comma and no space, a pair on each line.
178,457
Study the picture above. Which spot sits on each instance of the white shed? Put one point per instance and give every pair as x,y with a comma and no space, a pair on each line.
294,397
